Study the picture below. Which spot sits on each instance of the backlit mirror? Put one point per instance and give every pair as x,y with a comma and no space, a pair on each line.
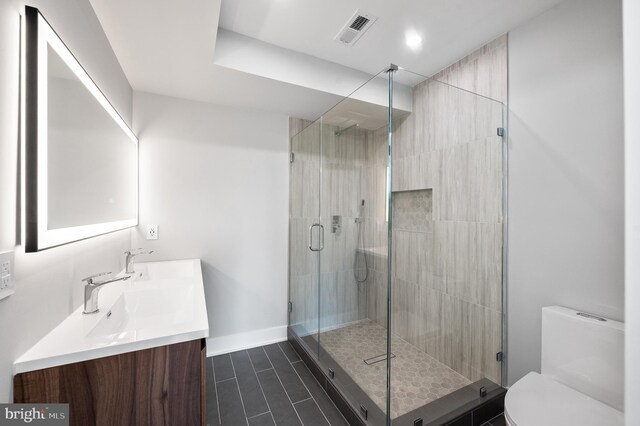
81,158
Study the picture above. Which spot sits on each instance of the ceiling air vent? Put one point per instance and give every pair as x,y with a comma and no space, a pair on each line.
355,27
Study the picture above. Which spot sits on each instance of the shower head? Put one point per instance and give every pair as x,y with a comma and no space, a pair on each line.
341,131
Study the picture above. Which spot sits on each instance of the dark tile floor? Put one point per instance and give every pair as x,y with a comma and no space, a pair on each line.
268,385
496,421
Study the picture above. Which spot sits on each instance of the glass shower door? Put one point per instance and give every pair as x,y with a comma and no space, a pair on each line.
305,234
353,277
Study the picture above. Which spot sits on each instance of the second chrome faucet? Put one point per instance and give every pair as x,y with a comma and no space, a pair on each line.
130,255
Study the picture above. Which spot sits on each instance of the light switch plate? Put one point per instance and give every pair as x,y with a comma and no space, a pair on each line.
6,274
152,232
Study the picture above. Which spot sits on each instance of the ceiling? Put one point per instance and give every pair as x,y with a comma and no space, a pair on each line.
450,29
280,55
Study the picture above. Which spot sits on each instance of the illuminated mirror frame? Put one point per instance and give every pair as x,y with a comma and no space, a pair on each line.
37,35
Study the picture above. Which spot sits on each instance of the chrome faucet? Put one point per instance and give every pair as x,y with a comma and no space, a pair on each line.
91,290
130,254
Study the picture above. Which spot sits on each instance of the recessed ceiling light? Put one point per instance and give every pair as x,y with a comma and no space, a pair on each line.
413,40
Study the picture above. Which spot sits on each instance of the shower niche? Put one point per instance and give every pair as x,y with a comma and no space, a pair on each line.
396,238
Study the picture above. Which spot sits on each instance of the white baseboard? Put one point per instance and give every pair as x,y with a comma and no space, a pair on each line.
247,340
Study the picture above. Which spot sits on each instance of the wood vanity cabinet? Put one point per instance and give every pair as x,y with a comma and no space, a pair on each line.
158,386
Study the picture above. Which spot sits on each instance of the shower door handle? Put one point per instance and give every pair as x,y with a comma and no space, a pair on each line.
321,234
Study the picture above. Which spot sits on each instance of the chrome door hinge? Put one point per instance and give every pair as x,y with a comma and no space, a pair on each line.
500,131
364,412
290,308
499,357
291,157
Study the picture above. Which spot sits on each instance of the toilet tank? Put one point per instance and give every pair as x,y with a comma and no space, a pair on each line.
585,352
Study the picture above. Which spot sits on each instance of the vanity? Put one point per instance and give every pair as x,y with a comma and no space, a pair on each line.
139,360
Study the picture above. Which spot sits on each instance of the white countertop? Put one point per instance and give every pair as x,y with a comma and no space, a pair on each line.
161,305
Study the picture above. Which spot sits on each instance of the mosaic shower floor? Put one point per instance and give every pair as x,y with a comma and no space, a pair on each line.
416,378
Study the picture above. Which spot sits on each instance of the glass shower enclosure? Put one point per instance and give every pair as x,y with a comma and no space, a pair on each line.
396,246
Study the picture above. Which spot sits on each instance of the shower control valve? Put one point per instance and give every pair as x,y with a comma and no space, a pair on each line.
336,224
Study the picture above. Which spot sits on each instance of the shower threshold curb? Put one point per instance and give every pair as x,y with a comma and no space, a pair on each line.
462,407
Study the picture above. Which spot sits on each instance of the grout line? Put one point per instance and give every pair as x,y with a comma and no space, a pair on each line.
246,419
303,400
282,384
260,371
286,342
225,380
215,385
260,384
305,386
257,415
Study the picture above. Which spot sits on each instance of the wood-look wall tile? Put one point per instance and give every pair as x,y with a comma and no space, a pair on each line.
407,310
348,147
328,300
421,120
373,190
340,194
306,144
415,172
377,297
483,72
296,125
339,248
451,116
302,261
494,87
441,335
412,258
403,137
481,341
376,232
470,182
304,187
377,152
342,299
468,261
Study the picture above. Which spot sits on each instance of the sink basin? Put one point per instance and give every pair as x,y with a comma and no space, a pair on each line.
162,304
141,309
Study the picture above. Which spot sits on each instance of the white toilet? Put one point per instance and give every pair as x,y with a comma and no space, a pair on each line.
582,380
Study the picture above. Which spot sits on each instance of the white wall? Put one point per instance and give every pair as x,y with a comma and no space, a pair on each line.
48,285
215,180
631,9
252,56
566,170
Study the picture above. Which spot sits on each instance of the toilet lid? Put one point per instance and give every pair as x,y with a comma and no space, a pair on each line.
539,400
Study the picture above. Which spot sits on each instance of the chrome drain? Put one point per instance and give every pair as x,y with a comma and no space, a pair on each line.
378,358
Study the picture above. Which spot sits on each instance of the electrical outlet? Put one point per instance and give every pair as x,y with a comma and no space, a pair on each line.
152,232
6,274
